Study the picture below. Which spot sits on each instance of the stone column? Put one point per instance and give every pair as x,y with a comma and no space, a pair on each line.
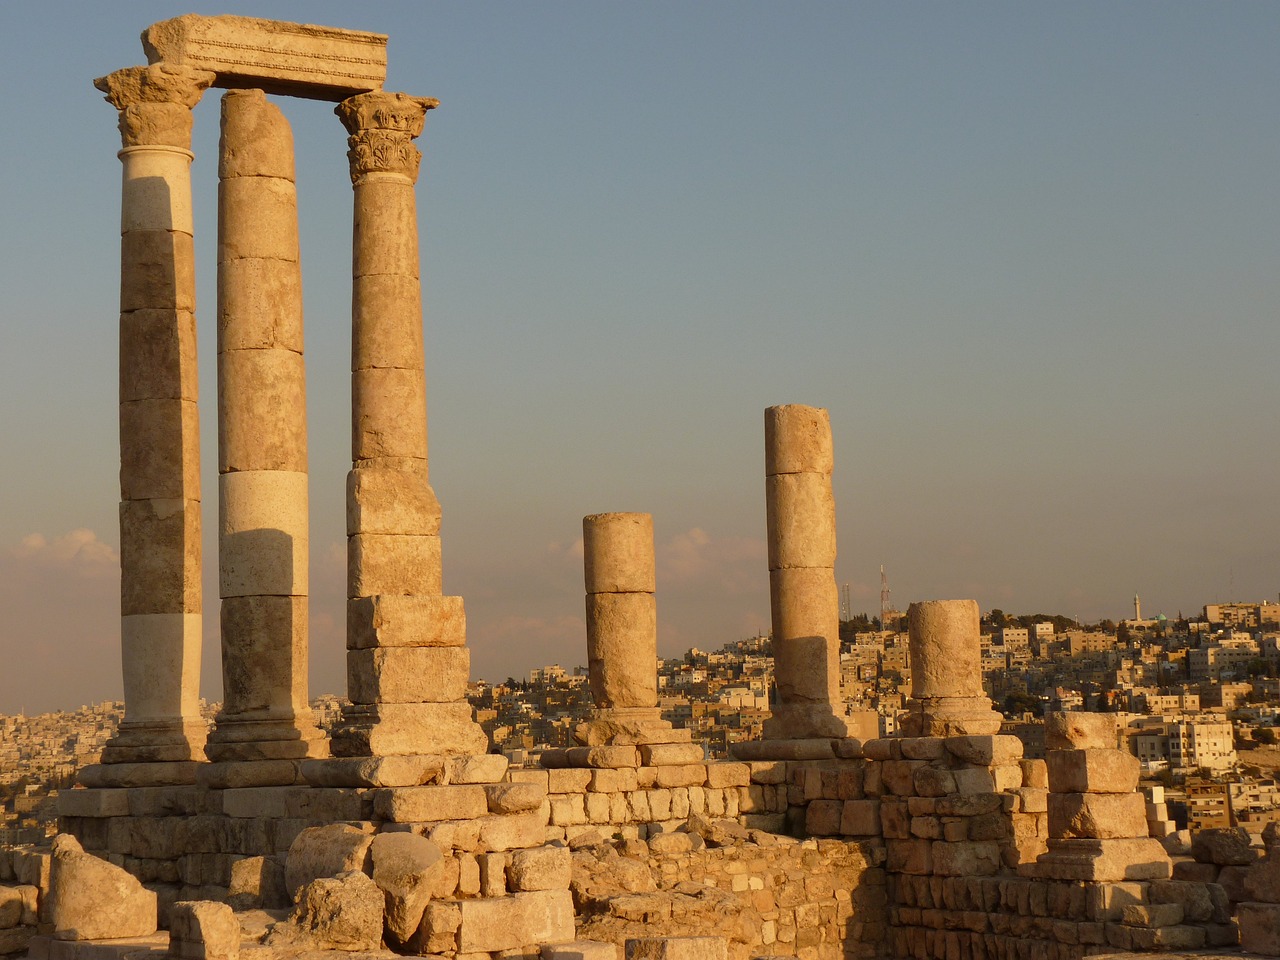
262,454
622,632
947,698
407,661
159,433
801,518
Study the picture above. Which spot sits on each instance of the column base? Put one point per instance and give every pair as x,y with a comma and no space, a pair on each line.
1137,858
950,717
156,741
154,774
805,721
225,775
630,726
408,730
248,739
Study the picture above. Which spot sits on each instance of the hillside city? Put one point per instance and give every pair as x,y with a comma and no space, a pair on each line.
1198,700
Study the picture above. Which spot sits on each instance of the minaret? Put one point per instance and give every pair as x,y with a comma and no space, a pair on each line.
1137,608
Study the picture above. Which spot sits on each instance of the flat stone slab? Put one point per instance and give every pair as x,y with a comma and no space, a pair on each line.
292,59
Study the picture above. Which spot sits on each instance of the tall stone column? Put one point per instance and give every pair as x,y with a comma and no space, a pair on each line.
622,632
947,698
801,520
262,455
407,660
162,733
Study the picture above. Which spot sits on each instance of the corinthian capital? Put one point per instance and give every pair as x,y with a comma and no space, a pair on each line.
155,102
382,127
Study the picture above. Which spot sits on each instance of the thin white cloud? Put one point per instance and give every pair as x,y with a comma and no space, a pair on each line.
694,558
78,551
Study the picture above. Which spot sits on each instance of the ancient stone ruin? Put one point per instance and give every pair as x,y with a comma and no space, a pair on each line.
401,833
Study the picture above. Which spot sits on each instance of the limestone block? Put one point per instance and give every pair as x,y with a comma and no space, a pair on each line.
383,564
262,411
382,498
386,322
257,882
257,219
984,750
1093,770
440,922
161,655
405,621
580,950
540,868
569,781
269,669
1035,773
93,803
520,920
618,553
727,774
157,271
158,355
677,948
160,552
515,797
259,305
386,229
1107,860
159,450
511,831
1097,815
256,139
1259,928
659,754
426,804
804,603
493,874
823,818
603,756
263,538
1225,846
1261,882
797,439
946,657
203,930
402,771
388,414
91,899
326,851
610,781
408,729
622,649
478,768
408,674
289,58
343,912
1075,730
156,189
404,867
800,520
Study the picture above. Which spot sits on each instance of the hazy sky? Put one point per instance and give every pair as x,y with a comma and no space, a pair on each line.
1027,254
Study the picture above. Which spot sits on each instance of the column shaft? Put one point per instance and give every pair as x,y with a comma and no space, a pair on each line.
159,433
947,698
262,448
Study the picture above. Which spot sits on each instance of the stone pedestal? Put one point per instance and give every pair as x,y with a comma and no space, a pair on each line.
947,698
407,660
162,733
622,633
801,521
262,444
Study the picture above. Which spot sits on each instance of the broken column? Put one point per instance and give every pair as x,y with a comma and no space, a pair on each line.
1097,817
947,698
801,518
262,445
407,662
622,632
162,733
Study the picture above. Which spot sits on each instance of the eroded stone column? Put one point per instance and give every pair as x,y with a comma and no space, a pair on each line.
947,698
805,606
622,632
407,660
162,733
262,448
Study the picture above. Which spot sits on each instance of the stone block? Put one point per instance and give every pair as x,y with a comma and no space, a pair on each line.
1093,770
257,219
342,913
385,241
611,781
158,355
511,831
1035,773
685,775
580,950
1224,846
405,866
408,674
540,868
517,921
1106,860
515,797
262,422
1259,927
667,754
159,450
203,930
569,780
618,553
388,411
966,858
823,818
157,271
1080,731
984,750
379,564
621,647
800,520
91,899
260,306
93,803
386,321
860,818
677,948
797,439
431,803
392,497
257,882
603,756
1097,815
325,851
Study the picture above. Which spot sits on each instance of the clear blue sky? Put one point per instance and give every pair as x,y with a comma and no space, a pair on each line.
1025,253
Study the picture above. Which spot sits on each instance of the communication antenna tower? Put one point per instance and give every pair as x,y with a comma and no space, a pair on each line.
884,599
846,612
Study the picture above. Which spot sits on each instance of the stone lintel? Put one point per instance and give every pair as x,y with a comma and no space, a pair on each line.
290,59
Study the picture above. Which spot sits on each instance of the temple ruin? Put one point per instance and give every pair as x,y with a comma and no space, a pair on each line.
401,833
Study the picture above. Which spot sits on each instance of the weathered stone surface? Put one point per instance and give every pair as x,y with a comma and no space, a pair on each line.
520,920
343,912
1093,770
580,950
946,658
326,851
91,899
408,674
515,797
1262,881
618,553
404,868
203,930
622,649
797,439
382,563
677,948
257,882
427,804
478,768
1109,859
540,868
1074,730
1223,846
1259,928
1097,815
392,497
293,59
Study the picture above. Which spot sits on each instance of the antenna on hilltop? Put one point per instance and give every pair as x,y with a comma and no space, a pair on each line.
884,599
846,612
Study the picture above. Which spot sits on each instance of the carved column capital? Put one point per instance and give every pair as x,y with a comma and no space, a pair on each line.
155,102
382,127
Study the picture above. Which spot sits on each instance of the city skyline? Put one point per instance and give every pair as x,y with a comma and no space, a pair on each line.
1025,256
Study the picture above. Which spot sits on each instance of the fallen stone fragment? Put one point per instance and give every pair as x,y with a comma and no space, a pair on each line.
90,899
